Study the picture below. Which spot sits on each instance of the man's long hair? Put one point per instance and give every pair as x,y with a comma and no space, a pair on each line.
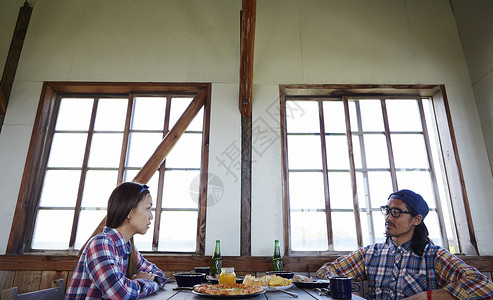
420,237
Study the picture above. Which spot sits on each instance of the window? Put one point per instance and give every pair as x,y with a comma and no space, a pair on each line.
94,141
346,150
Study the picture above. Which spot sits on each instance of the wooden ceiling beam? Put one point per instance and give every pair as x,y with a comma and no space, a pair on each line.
13,56
3,103
248,17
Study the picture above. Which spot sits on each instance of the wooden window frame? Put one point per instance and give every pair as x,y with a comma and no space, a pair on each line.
457,189
29,194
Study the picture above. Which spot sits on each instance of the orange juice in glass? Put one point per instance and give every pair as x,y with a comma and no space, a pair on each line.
227,276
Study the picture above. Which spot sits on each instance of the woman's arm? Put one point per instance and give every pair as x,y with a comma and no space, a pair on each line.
143,265
106,273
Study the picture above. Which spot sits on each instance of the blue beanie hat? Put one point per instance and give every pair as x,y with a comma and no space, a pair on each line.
413,200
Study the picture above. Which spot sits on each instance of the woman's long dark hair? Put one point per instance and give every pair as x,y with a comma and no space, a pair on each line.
123,199
420,237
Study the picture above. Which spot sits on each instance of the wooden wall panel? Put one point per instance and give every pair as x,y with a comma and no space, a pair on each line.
6,279
27,281
47,278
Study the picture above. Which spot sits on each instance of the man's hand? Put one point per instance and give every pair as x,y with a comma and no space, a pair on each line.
143,275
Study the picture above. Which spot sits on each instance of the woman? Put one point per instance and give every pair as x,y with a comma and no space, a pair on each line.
110,267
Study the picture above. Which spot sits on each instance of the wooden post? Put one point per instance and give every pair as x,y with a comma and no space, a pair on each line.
247,39
246,186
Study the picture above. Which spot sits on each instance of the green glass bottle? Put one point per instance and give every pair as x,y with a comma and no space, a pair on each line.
277,263
217,260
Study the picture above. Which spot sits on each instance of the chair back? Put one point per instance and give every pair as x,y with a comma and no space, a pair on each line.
55,293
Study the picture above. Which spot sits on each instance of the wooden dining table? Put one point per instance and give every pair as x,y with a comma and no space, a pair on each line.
168,292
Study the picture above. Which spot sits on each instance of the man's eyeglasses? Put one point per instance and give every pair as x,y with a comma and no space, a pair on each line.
394,211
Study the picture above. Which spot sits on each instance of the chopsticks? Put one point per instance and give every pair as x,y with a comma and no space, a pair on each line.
286,292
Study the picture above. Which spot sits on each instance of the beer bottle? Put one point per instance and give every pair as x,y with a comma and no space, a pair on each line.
217,260
277,258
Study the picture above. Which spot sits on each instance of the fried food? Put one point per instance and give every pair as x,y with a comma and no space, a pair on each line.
267,280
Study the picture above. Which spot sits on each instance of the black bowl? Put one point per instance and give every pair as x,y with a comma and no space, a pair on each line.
189,279
205,270
284,274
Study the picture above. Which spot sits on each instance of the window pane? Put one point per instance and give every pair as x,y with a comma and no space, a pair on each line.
111,114
344,236
148,113
341,195
307,118
53,235
375,146
58,183
177,189
431,222
197,122
306,190
418,181
353,115
308,231
372,162
409,151
337,152
129,175
143,242
371,115
98,187
178,106
74,114
105,150
178,231
186,153
67,150
380,184
379,226
141,147
88,221
304,152
403,115
334,117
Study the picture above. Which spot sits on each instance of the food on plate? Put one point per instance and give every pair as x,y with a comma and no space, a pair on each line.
301,278
267,280
230,289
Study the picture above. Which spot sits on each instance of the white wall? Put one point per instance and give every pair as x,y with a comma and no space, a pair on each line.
306,41
476,30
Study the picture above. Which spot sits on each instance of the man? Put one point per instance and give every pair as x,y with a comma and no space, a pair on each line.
408,265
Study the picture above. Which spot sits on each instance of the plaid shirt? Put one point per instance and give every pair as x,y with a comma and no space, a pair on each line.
395,272
100,273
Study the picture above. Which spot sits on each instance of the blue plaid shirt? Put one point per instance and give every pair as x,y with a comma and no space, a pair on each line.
396,272
100,273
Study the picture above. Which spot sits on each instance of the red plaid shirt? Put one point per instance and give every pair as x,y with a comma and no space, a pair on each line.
100,273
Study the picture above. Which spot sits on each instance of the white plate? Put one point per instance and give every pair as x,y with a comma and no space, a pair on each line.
271,289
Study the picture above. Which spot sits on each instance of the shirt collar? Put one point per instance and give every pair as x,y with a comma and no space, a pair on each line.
122,245
406,246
